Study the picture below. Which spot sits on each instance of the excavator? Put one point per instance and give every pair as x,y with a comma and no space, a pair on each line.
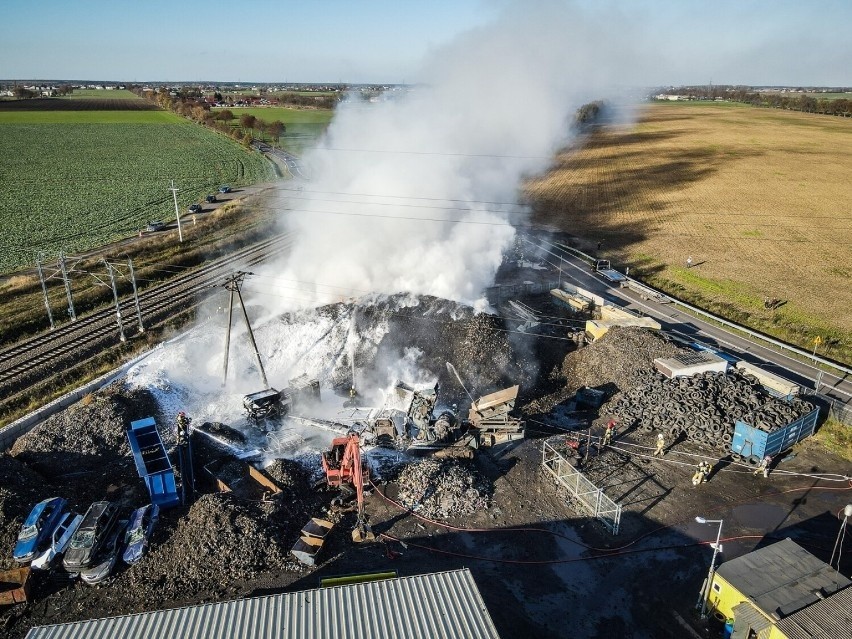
346,471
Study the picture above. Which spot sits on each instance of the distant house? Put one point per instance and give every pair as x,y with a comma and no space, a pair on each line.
782,592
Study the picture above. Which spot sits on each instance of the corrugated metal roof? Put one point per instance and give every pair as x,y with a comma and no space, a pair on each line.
782,578
827,619
445,604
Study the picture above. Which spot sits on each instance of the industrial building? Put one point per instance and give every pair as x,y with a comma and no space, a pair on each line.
445,604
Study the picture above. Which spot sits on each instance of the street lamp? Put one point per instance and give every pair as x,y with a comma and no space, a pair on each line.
705,590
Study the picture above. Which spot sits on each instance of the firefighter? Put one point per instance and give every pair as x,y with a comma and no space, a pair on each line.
609,432
661,444
701,473
182,428
763,467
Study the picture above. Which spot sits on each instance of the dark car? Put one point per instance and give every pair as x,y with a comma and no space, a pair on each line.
211,199
224,189
105,560
139,530
195,208
95,529
38,527
155,226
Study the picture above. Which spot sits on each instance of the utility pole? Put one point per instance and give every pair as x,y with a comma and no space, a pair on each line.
135,295
67,282
115,296
233,285
177,211
44,290
228,334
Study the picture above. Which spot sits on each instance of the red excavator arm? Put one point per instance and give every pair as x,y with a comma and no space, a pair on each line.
343,465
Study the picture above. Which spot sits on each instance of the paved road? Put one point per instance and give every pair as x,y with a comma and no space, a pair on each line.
675,320
292,162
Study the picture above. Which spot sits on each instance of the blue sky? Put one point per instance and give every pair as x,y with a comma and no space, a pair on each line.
692,41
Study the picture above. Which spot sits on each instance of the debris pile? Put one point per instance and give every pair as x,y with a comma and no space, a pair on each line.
703,407
441,489
621,357
614,363
88,435
219,535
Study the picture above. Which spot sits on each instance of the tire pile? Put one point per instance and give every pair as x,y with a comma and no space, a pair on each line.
441,489
704,408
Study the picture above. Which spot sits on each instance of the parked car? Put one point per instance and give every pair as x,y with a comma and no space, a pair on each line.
224,189
139,530
195,208
38,527
98,522
155,226
59,541
105,560
211,199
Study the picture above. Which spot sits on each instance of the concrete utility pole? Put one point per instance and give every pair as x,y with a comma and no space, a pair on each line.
233,285
177,211
135,295
115,296
44,290
705,589
67,282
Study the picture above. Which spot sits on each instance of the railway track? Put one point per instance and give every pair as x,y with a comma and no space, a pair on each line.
36,360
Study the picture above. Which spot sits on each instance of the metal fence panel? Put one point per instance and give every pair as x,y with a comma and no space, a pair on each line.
586,492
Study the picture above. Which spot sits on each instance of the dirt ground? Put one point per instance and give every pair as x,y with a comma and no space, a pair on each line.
543,566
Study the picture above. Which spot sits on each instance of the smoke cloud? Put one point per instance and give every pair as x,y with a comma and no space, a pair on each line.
415,193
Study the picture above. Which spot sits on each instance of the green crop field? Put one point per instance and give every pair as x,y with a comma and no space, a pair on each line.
74,180
304,126
115,94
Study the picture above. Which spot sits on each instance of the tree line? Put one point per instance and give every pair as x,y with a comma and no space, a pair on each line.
195,108
799,102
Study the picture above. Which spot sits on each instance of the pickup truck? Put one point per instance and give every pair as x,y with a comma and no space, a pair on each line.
604,268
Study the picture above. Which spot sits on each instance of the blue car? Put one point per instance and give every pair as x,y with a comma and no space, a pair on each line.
139,530
38,527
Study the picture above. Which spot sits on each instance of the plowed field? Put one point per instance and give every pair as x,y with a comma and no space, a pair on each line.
759,198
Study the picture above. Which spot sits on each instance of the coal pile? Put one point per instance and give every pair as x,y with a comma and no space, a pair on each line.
440,489
704,408
218,540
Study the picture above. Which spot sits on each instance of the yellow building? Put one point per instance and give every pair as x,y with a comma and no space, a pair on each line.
782,592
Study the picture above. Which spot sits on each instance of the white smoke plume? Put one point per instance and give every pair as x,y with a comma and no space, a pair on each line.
492,108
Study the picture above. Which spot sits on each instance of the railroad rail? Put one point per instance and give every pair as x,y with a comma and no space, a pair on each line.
36,360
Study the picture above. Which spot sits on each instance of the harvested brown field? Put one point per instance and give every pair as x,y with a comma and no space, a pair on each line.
758,197
81,104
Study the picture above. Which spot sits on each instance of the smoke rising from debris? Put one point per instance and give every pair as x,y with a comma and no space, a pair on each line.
415,193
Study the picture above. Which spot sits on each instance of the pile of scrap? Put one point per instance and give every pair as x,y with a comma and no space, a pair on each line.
443,488
491,417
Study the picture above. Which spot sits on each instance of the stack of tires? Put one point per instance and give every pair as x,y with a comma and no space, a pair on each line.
704,408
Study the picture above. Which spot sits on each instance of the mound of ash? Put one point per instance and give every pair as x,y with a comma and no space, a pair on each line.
616,362
405,333
291,477
220,540
439,489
